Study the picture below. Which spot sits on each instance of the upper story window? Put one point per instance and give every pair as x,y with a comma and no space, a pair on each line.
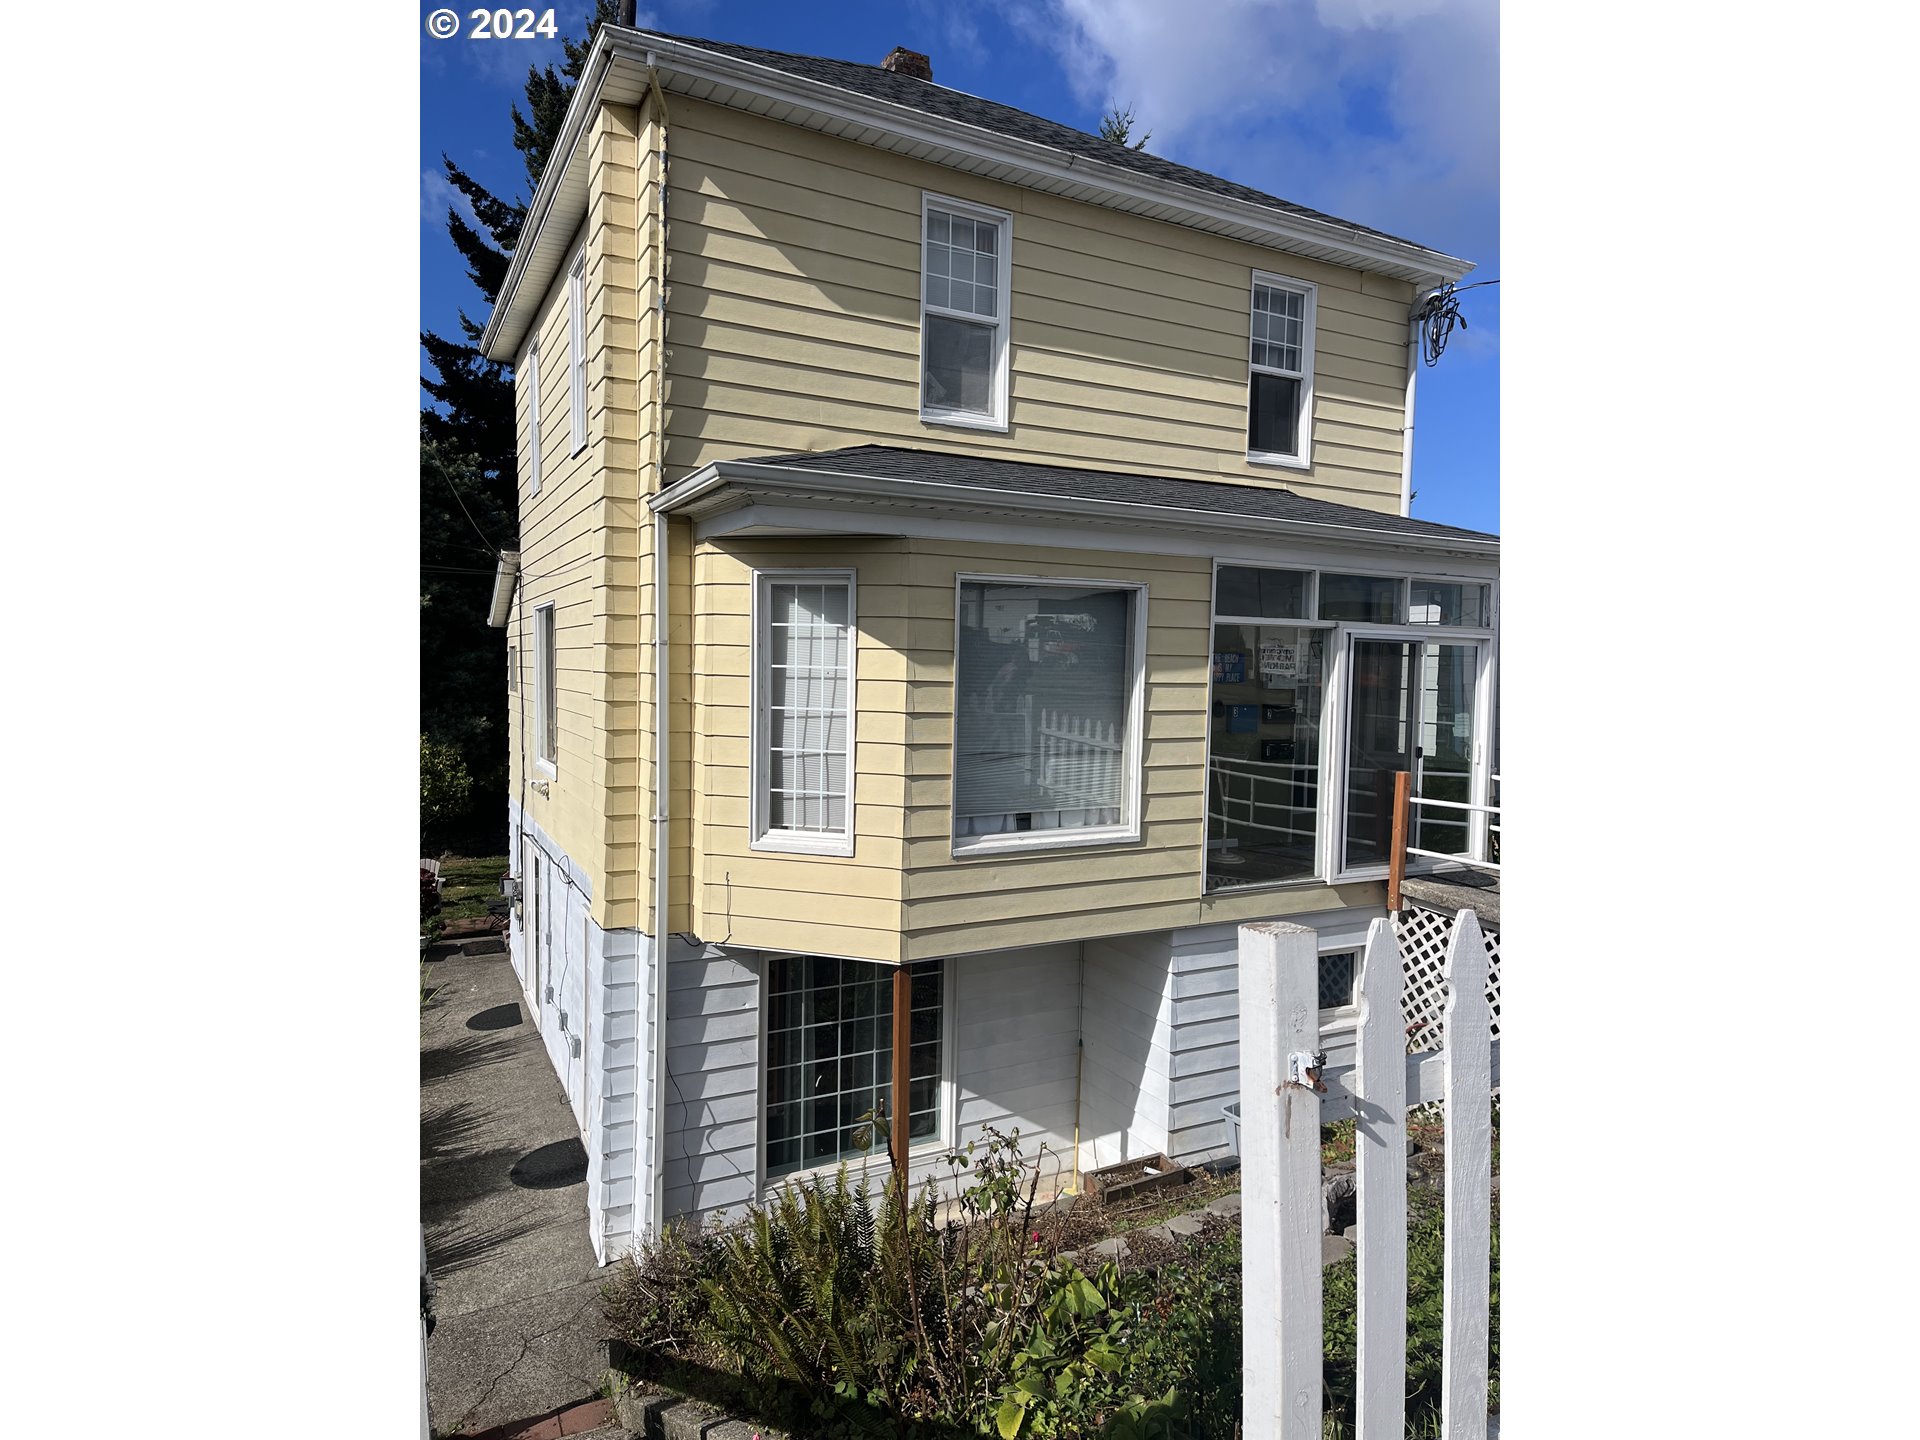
1047,714
546,691
1280,386
802,740
965,279
533,415
577,350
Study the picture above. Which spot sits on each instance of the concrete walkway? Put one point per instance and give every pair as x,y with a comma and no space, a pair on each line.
503,1199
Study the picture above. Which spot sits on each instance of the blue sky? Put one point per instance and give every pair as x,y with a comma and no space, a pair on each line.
1381,111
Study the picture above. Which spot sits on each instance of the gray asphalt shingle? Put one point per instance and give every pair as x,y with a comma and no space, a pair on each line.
1210,496
934,99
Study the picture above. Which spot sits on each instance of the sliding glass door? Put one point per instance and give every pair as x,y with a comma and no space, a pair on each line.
1410,706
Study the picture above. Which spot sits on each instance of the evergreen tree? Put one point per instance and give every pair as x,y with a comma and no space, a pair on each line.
468,507
1117,125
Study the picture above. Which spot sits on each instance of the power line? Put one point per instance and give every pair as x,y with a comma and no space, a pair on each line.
1438,315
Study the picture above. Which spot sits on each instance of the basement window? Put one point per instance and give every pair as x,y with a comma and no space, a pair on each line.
965,280
1280,365
829,1059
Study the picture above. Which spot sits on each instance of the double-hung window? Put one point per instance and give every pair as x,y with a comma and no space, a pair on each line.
1047,713
802,744
1280,361
546,713
829,1060
965,279
533,416
577,350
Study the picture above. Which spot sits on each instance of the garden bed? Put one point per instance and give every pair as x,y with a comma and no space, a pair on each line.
807,1315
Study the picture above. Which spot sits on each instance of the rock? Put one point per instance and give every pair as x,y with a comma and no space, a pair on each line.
1064,1203
1067,1257
1334,1249
1352,1232
1113,1248
1158,1232
1183,1225
1339,1200
1225,1205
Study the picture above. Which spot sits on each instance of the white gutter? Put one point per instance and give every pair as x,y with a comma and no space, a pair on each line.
720,473
505,575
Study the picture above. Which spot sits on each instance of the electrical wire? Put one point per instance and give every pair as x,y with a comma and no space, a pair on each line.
1437,316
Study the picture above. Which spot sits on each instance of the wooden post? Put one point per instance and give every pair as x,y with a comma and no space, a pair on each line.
902,1056
1468,1062
1380,1145
1397,857
1279,1184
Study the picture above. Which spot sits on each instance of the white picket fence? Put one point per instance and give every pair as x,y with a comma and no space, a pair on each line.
1280,1116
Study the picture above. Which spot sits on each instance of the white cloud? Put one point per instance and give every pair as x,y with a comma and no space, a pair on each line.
437,195
1381,111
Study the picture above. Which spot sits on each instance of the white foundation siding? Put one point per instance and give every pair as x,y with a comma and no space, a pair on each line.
1127,1028
1203,994
711,1108
590,1030
1016,1031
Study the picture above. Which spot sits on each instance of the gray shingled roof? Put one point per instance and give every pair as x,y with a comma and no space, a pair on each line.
933,99
1217,497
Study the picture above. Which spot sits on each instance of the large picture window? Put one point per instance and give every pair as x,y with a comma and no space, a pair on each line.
965,276
803,718
1046,714
829,1060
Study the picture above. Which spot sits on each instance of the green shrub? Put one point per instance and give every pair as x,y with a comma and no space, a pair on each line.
446,785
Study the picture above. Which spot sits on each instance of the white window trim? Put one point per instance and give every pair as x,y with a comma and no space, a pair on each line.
533,416
1002,322
1128,830
760,728
877,1159
577,349
542,661
1309,321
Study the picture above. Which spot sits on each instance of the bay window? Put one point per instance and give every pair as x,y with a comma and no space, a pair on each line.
966,274
1047,702
829,1060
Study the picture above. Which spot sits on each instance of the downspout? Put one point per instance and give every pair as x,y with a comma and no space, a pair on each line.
1406,432
662,681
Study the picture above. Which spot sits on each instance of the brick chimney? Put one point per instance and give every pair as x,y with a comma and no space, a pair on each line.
902,61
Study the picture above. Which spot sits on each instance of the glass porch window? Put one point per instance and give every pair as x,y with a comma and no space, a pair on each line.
1444,764
1379,743
829,1059
1263,753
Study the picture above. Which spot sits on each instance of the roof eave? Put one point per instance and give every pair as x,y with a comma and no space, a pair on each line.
709,490
1029,161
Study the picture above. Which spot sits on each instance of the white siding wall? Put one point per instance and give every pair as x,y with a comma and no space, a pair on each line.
1016,1028
1129,1035
1203,1001
599,979
712,1098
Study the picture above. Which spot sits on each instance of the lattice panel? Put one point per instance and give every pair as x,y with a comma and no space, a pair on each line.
1423,937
